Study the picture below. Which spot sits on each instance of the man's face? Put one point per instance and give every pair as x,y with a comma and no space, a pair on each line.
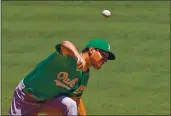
97,57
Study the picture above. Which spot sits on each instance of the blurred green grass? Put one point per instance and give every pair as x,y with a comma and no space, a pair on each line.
137,82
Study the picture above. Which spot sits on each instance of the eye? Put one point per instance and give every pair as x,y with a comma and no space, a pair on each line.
103,54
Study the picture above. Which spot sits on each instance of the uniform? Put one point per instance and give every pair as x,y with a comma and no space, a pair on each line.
53,77
53,82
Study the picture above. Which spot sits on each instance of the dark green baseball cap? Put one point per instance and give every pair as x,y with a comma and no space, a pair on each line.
101,44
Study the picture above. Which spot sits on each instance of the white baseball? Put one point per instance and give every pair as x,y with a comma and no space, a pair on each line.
106,13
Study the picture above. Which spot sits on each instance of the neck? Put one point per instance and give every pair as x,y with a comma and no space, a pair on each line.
87,59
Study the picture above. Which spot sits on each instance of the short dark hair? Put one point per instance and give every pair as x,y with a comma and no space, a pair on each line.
85,50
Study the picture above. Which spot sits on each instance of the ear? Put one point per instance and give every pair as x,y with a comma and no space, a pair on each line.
91,51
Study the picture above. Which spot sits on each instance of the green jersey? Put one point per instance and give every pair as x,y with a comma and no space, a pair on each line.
56,75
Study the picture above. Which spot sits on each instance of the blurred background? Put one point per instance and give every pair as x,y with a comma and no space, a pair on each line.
137,82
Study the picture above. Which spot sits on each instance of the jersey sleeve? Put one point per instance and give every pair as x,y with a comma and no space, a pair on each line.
58,48
83,85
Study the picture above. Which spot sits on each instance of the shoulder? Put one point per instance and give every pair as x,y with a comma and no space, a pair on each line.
58,48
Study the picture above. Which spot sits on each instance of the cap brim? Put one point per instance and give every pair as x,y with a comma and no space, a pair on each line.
111,56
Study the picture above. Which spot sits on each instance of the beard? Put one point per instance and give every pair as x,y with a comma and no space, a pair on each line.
96,64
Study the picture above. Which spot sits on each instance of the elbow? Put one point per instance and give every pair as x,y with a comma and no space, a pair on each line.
65,43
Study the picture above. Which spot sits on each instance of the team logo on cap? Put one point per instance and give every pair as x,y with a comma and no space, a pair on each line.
108,47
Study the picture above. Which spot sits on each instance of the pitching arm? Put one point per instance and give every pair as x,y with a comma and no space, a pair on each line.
68,48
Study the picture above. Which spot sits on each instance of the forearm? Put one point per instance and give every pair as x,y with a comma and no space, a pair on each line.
68,48
81,108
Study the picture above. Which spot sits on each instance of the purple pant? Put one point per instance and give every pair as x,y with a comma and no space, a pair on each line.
23,104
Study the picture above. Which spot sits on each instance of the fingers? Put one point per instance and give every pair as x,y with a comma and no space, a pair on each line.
80,66
80,63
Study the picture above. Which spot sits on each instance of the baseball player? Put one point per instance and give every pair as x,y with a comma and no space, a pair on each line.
59,80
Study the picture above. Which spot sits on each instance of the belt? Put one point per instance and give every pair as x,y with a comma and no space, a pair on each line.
28,92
